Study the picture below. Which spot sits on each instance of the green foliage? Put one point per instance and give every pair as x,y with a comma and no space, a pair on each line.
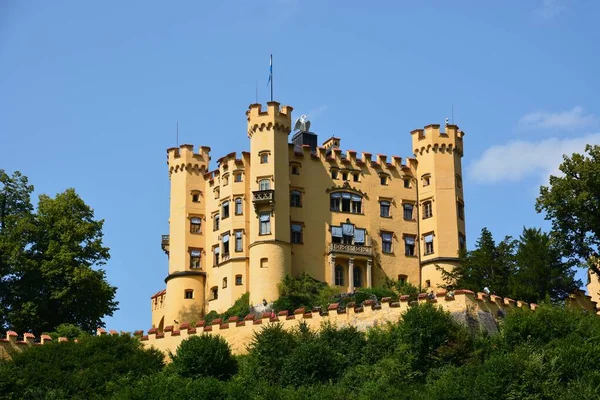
168,386
541,273
94,368
303,291
69,331
401,287
49,260
204,356
239,309
572,203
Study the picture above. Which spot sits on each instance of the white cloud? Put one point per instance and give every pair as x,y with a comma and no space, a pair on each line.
570,119
549,9
517,160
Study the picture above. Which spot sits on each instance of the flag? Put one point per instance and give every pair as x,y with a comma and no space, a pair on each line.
270,69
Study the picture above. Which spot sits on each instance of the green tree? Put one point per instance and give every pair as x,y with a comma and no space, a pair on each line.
541,272
303,291
57,282
93,368
204,356
572,203
489,265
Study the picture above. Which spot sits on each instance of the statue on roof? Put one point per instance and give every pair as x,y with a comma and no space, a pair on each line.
302,124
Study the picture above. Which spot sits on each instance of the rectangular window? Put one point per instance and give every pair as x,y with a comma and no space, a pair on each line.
226,180
195,225
335,202
225,210
264,158
429,244
217,194
458,181
336,234
386,242
264,184
427,210
462,242
238,280
408,211
238,206
216,220
383,180
356,177
224,285
195,198
237,177
225,240
409,245
334,174
339,275
189,294
384,209
344,176
238,241
295,198
216,251
265,224
356,204
195,258
461,210
295,170
407,183
426,179
297,233
348,233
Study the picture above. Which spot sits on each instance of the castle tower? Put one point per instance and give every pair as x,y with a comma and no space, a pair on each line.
187,256
270,249
440,197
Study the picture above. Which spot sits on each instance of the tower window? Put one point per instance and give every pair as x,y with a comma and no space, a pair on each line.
297,233
356,177
334,174
295,198
195,198
344,176
407,183
339,275
409,245
265,224
384,180
238,206
429,244
386,242
195,258
224,285
462,245
216,251
408,211
216,220
384,209
427,210
264,184
217,193
461,210
226,180
295,170
238,280
214,293
237,177
238,241
458,181
225,240
426,179
264,157
188,294
225,210
264,263
195,225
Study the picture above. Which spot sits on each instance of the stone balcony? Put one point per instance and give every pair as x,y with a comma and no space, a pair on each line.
164,243
263,197
354,249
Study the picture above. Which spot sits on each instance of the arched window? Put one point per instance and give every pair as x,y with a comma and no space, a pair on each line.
264,184
357,277
339,275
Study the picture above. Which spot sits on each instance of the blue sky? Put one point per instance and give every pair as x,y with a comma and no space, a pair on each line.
90,93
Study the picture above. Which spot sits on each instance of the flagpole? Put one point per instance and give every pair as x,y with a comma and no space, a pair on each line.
271,63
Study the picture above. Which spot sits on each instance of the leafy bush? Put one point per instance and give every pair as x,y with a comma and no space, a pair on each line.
204,356
94,368
240,308
303,291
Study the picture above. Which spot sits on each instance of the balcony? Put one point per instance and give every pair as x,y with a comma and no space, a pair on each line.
260,197
164,243
354,249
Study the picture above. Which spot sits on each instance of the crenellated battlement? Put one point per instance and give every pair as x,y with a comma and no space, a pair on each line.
12,343
430,137
184,158
276,117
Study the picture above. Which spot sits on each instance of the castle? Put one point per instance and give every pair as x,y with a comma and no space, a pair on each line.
287,208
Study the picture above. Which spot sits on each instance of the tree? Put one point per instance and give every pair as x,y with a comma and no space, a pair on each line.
572,203
489,265
204,356
93,368
541,272
49,260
